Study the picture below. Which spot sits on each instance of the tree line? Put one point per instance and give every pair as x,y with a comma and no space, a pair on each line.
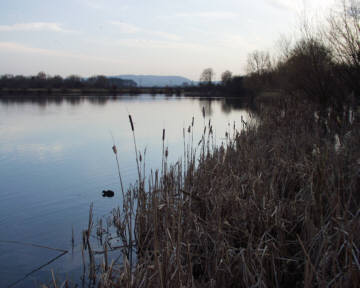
44,81
229,85
322,63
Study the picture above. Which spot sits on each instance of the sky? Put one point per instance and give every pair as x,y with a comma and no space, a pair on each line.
147,37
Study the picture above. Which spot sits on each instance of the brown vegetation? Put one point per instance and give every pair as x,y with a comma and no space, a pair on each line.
278,205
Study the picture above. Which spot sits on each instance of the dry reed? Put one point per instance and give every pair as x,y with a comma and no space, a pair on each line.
277,206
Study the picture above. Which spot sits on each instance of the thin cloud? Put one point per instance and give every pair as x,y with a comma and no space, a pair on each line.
236,41
159,44
127,28
34,26
310,8
103,7
94,4
164,35
16,47
209,15
284,4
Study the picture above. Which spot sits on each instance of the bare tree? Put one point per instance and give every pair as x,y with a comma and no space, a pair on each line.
343,36
344,33
207,76
309,69
226,77
258,69
283,46
258,62
41,75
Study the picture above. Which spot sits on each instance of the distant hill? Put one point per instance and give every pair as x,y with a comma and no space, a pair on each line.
153,80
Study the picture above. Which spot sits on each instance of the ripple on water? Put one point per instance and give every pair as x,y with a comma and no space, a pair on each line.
56,160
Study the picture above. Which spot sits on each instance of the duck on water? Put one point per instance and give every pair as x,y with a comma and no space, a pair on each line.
108,193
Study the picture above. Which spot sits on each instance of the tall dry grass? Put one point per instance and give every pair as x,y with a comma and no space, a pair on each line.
277,206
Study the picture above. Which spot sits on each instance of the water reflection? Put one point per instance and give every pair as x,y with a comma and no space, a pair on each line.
227,103
56,159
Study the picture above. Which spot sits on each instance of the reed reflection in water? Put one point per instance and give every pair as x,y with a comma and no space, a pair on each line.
56,159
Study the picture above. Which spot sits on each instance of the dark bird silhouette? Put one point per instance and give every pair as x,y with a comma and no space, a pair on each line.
108,193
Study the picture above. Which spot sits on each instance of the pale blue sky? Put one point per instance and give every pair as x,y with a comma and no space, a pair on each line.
173,37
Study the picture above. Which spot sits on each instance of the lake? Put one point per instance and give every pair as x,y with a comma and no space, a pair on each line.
56,158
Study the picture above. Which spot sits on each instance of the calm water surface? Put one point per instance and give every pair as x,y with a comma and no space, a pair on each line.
56,158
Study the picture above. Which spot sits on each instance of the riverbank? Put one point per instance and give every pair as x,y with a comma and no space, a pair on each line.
277,205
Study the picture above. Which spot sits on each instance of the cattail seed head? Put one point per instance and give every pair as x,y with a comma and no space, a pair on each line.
166,152
189,129
114,149
163,136
131,123
203,112
192,122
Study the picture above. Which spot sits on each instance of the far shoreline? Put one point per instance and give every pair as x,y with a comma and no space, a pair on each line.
131,91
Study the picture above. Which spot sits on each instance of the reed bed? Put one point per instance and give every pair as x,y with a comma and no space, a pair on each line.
277,205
